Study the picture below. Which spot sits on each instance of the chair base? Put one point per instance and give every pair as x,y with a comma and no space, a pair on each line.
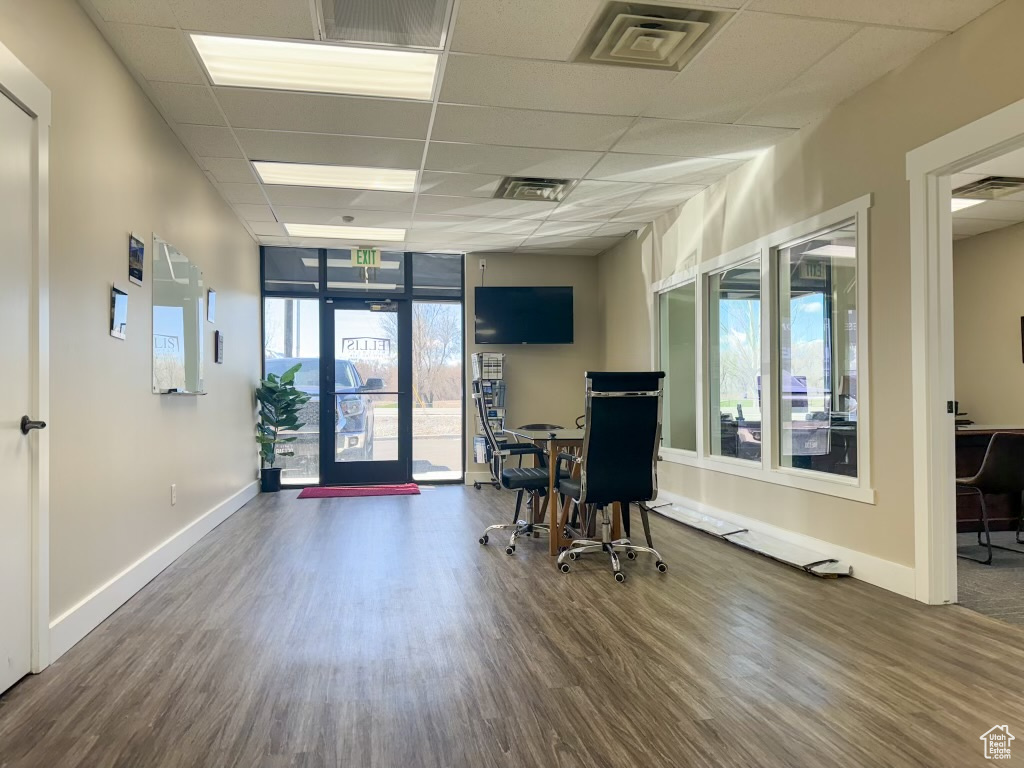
519,529
581,547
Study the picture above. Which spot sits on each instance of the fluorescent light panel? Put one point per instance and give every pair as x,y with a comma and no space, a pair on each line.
361,234
337,263
959,203
320,68
336,176
835,251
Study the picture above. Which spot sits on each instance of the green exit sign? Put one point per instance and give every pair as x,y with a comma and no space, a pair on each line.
366,257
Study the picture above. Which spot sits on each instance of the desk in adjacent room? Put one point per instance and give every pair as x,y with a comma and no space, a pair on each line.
1003,511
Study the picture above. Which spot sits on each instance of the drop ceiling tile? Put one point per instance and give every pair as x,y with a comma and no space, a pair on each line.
947,15
425,221
1010,164
251,194
996,210
671,137
185,103
288,215
323,113
324,242
509,161
463,238
699,171
672,194
476,206
599,243
152,13
432,248
961,179
156,53
548,85
322,197
755,55
603,194
550,250
526,128
257,18
209,140
852,66
229,170
644,212
459,184
569,211
971,227
565,228
268,229
619,228
324,148
251,212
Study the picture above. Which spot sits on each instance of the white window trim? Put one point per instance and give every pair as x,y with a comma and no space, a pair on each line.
857,489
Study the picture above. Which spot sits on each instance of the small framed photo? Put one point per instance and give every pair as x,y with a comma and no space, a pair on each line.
218,347
211,306
136,259
118,312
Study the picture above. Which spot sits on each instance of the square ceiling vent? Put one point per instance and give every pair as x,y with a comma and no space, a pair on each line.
534,189
651,36
403,23
990,188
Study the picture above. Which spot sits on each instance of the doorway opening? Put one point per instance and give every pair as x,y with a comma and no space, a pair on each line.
380,354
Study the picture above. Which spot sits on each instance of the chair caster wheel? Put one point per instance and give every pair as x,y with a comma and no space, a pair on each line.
573,556
484,539
510,550
631,555
620,576
564,567
661,566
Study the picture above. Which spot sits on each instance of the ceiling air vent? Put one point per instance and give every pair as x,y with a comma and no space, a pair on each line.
537,190
407,23
652,36
990,188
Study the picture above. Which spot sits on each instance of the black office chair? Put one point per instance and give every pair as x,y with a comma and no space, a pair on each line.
522,480
1002,472
619,462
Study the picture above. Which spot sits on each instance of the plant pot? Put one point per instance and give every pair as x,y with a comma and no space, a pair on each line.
270,479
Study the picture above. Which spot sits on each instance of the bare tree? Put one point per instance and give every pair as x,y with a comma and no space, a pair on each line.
436,348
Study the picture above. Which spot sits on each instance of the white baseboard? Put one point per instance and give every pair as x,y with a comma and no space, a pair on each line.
66,630
873,570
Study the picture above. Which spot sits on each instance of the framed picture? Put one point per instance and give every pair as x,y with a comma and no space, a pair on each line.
211,306
118,312
218,347
136,259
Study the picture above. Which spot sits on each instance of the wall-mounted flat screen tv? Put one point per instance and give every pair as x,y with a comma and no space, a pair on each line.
521,315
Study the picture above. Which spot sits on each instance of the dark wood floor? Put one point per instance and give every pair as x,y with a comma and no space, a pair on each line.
372,633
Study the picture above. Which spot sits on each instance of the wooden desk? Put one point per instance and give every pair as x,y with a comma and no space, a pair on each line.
554,442
1003,511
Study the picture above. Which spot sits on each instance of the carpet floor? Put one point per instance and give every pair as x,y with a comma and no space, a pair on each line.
995,590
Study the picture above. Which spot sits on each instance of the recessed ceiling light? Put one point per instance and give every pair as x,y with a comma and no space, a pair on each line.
360,234
317,67
835,251
959,203
340,176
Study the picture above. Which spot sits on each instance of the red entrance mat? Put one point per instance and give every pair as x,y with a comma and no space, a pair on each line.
407,489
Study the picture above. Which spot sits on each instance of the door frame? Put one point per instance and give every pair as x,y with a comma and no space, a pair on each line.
328,465
929,168
26,90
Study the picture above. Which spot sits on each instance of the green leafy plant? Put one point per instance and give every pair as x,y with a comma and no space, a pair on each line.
279,405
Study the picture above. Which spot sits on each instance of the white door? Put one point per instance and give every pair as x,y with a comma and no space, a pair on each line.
16,190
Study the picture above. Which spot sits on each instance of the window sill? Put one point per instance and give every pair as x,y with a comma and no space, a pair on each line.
839,487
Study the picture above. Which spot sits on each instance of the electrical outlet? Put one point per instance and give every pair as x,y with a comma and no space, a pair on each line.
174,494
483,264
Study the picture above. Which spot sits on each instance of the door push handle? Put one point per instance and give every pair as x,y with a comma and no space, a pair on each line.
27,425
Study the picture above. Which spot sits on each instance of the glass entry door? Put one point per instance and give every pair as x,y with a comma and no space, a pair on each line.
366,422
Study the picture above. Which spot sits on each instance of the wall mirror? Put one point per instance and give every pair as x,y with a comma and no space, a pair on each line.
178,315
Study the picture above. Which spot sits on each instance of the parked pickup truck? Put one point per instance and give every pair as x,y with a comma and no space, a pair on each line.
353,411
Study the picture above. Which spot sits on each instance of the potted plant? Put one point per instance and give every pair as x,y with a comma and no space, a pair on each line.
279,405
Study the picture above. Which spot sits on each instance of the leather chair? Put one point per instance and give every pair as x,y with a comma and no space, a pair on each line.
522,480
1002,472
618,463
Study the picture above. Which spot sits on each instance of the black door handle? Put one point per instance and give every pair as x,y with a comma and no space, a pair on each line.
27,425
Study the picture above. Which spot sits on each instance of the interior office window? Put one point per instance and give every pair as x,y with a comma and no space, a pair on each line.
734,361
291,336
678,360
817,359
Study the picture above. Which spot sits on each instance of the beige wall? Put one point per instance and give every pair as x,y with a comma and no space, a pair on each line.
860,148
116,448
545,382
988,272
